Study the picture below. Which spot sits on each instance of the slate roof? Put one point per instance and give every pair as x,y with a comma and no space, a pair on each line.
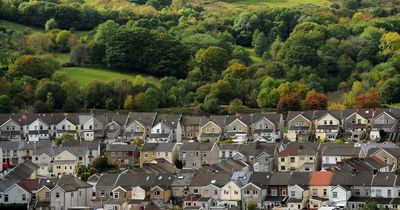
260,179
70,183
145,118
22,171
307,114
341,151
90,145
171,120
229,165
205,177
244,118
191,120
395,152
183,179
321,113
384,179
256,149
107,180
360,178
29,185
120,147
273,117
49,183
298,149
159,147
300,178
280,178
217,119
196,146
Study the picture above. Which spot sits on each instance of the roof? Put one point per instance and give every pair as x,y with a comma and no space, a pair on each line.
197,146
247,119
90,145
29,184
229,165
120,147
145,118
107,179
321,178
341,151
159,147
307,114
191,120
350,178
171,120
384,179
22,171
219,120
205,177
49,183
280,178
71,183
300,178
395,152
256,149
272,117
260,179
298,149
183,179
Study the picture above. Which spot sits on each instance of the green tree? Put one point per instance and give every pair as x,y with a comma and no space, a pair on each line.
211,61
210,104
62,40
5,104
105,31
34,66
260,44
50,24
51,93
151,99
97,94
235,106
63,138
390,90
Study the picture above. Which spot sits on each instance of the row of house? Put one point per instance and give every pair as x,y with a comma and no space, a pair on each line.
51,159
151,127
209,189
357,124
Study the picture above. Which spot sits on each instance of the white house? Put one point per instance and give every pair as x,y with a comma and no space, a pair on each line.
339,195
38,130
230,195
65,163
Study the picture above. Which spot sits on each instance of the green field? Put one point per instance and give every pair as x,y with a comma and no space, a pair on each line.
85,75
18,27
280,3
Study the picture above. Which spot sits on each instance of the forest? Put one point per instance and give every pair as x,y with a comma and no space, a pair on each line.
208,56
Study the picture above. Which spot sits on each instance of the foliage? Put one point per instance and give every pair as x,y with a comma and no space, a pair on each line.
367,100
101,164
315,101
178,164
64,137
34,66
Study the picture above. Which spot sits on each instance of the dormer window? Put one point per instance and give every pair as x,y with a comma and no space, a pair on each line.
234,128
325,122
90,127
63,127
41,127
330,122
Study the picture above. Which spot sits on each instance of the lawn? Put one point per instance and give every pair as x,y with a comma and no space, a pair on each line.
17,26
280,3
85,75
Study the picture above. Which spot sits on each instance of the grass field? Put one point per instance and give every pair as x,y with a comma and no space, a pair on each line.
280,3
85,75
18,27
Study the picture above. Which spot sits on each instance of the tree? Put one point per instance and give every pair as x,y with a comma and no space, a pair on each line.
128,102
260,44
367,100
50,24
78,54
97,94
151,99
178,164
268,98
5,104
101,164
236,70
210,104
51,93
251,205
211,61
390,90
290,102
62,40
371,205
63,138
105,31
315,101
235,106
34,66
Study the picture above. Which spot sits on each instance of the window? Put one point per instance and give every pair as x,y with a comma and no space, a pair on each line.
57,195
236,192
366,192
204,154
145,155
378,192
116,195
389,193
283,168
47,195
5,198
325,192
157,193
334,195
282,159
311,158
357,192
112,154
314,192
196,191
301,157
292,159
274,192
292,194
325,122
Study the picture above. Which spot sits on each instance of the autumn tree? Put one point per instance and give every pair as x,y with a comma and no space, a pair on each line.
235,106
315,101
290,102
367,100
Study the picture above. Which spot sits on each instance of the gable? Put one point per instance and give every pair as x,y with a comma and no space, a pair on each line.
65,155
11,123
327,117
250,185
262,122
300,118
210,125
66,123
384,118
238,122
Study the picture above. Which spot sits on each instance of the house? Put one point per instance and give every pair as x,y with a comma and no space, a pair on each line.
43,194
27,148
92,126
138,125
298,190
256,189
66,124
230,165
300,126
166,128
332,154
65,162
339,195
10,129
320,183
70,192
391,156
196,155
43,158
260,156
24,170
90,149
357,123
238,127
38,127
180,185
299,157
384,185
115,128
212,128
209,185
267,127
385,124
327,124
152,151
231,192
121,153
104,187
362,164
11,156
190,128
21,192
277,191
196,202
